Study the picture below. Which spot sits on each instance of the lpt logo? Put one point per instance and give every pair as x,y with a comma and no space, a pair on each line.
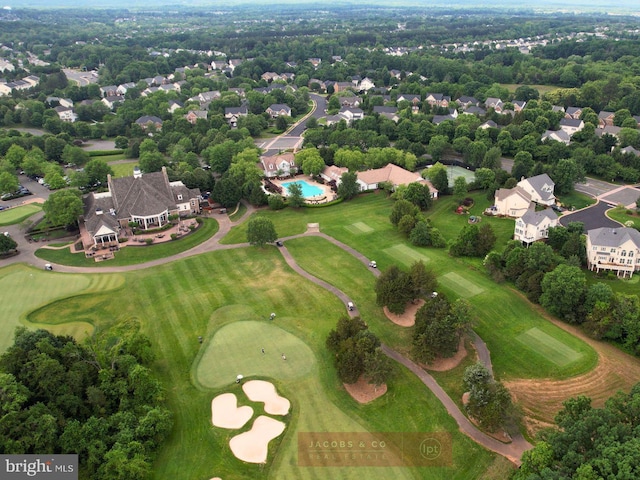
50,467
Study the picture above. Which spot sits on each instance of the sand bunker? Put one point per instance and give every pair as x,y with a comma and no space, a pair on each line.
261,391
253,446
363,391
225,412
408,318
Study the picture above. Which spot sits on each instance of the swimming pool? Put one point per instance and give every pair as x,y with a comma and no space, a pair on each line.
307,189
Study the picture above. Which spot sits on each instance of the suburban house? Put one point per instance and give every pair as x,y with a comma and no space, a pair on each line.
279,110
149,121
631,150
366,84
494,103
573,112
112,100
556,135
122,88
332,173
409,97
66,114
614,249
351,113
395,175
147,200
438,100
612,130
466,101
534,226
518,105
388,112
488,124
571,125
540,188
174,105
193,115
233,114
109,91
605,118
281,165
512,202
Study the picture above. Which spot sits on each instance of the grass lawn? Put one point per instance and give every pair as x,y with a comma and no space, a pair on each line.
25,289
542,89
134,254
226,297
576,200
122,169
624,215
15,215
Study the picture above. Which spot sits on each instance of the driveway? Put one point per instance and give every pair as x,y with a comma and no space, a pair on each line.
592,217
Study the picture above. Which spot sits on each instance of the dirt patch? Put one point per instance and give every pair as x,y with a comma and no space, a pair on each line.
541,399
499,435
364,392
408,318
442,364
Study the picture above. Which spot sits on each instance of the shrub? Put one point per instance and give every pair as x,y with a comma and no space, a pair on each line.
148,241
174,236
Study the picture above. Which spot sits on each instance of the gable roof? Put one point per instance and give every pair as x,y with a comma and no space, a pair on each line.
540,184
613,237
504,193
536,218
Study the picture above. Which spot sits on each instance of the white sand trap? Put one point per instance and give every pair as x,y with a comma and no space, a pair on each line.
261,391
253,446
225,412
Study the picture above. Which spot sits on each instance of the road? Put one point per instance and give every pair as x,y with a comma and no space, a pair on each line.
592,217
292,138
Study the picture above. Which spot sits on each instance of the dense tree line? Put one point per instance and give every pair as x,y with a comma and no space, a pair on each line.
98,400
589,442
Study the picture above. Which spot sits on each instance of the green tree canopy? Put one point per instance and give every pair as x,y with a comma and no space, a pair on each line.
260,231
63,207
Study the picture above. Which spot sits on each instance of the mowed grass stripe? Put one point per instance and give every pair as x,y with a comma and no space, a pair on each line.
405,254
548,347
459,285
359,227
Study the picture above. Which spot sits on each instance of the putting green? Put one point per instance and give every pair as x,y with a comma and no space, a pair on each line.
359,227
547,346
405,254
237,347
25,289
460,286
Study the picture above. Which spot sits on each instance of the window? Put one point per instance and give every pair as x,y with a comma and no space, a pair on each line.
595,248
613,250
629,262
179,196
631,254
623,253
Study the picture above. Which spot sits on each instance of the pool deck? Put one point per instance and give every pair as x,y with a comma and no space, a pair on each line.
326,196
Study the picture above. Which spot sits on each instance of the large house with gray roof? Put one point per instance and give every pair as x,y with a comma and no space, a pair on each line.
146,199
614,249
534,226
540,188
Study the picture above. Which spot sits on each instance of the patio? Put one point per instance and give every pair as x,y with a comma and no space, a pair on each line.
107,251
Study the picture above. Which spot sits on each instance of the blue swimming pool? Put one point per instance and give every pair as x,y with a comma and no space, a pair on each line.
308,190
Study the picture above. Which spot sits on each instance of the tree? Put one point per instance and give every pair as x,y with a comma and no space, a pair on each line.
310,161
15,154
438,176
473,241
489,401
275,202
402,208
152,161
394,289
357,352
8,183
563,292
72,155
63,207
575,450
460,187
348,187
294,197
485,177
438,145
565,174
53,148
7,244
260,231
226,192
437,330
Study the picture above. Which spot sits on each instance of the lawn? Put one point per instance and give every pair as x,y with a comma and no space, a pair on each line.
576,200
226,297
121,169
25,289
11,216
135,254
624,215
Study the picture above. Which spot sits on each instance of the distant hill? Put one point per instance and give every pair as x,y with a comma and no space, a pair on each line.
620,6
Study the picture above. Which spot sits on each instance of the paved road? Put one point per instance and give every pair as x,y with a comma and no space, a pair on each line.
592,217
